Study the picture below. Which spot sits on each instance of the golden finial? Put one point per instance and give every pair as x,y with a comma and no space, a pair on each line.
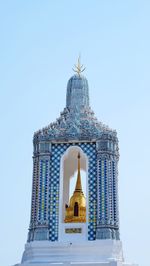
78,182
79,68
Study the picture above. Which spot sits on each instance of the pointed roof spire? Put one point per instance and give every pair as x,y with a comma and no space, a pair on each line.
78,187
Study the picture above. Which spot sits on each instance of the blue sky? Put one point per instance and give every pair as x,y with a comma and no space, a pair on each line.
39,44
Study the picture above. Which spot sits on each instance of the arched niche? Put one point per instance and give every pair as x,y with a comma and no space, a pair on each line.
68,173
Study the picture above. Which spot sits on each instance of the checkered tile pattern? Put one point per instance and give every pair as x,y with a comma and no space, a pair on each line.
57,151
42,216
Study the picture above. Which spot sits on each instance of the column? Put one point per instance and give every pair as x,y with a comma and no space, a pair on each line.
107,178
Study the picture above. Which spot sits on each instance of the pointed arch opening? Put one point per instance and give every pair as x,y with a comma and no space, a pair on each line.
73,201
76,209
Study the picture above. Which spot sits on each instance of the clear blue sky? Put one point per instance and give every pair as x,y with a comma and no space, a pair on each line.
39,43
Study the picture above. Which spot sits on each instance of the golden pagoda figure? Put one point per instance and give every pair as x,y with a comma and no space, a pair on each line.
76,211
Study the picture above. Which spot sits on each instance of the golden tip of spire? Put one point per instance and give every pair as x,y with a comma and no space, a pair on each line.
78,67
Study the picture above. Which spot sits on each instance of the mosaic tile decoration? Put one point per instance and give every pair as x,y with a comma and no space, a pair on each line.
43,190
105,202
35,187
108,193
115,194
57,151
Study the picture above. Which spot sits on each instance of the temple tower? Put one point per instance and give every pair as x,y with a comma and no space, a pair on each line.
82,226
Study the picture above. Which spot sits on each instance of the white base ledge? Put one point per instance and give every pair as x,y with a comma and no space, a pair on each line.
92,253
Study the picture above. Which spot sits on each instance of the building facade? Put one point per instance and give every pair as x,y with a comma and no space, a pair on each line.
56,146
